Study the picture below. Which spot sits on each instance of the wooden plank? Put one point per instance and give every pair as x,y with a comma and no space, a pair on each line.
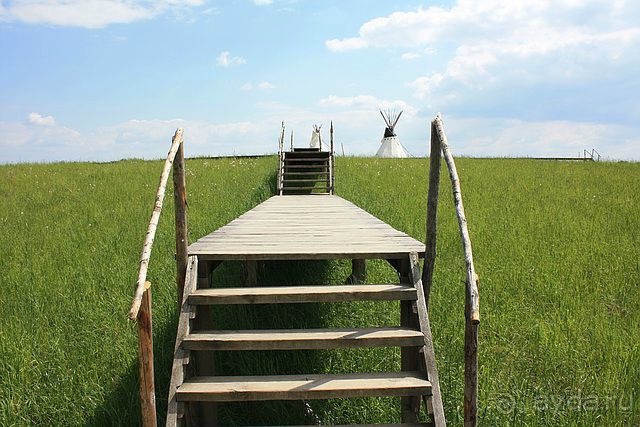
181,357
428,353
297,339
282,255
302,294
295,387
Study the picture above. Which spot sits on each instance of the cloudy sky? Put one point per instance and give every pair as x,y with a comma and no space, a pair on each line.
112,79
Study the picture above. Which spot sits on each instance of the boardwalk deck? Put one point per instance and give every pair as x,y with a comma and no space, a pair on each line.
305,227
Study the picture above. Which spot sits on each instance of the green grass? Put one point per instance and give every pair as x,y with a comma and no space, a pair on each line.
555,244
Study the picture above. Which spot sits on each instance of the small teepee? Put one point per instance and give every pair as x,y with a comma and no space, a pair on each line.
316,138
390,144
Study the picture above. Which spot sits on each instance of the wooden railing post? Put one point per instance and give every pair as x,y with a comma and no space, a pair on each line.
332,162
145,361
432,214
182,236
141,304
472,298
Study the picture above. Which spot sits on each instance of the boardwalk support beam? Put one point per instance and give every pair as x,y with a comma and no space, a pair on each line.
358,271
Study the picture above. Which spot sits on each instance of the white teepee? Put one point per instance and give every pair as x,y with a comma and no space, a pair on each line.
316,138
390,144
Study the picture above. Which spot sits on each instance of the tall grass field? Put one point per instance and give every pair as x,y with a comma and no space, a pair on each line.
556,245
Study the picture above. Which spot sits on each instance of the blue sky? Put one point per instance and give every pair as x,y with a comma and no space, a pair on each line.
111,79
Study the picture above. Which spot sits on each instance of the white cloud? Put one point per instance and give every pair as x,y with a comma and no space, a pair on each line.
262,86
40,120
554,138
366,102
226,60
266,86
409,56
358,126
89,13
262,2
569,60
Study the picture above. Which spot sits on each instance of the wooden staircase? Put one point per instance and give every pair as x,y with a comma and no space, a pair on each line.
416,382
305,171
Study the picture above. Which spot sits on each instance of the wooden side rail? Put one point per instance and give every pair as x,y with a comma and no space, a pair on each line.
439,145
332,163
141,304
281,159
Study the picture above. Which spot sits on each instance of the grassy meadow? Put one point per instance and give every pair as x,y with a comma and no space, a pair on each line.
556,246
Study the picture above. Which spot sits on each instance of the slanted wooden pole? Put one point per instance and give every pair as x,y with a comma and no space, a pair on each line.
145,360
182,236
153,225
141,304
432,214
472,299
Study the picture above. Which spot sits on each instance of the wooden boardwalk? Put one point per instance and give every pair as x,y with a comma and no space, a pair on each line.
305,227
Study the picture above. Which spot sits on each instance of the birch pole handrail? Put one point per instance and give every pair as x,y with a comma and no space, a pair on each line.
153,225
472,298
472,277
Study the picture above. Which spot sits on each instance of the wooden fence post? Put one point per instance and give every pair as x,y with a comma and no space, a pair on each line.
145,361
182,236
432,214
472,298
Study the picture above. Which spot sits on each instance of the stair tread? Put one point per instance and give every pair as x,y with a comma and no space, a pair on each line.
306,166
307,159
301,294
288,339
306,173
320,187
305,180
370,425
294,387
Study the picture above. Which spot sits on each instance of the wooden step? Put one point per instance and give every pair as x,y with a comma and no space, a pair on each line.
286,187
307,159
305,150
306,173
324,166
303,339
369,425
302,294
306,154
287,179
295,387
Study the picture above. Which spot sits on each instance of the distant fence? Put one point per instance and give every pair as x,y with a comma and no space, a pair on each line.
586,155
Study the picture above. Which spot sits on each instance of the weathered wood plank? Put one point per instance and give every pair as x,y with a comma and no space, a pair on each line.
181,356
305,227
428,352
308,339
302,294
295,387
